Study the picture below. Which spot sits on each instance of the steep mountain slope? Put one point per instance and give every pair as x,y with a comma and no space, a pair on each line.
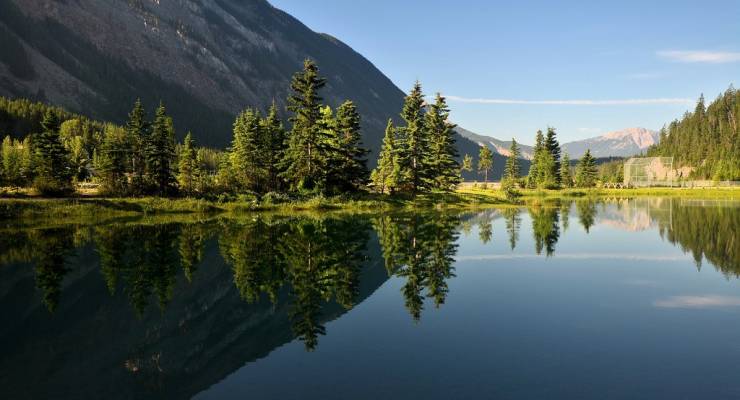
206,60
623,143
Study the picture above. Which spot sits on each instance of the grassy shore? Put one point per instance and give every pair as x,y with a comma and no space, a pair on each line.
94,208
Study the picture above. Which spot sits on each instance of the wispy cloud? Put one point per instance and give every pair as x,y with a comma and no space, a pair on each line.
643,76
708,301
700,56
580,102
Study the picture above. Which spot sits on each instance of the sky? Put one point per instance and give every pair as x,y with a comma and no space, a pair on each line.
509,68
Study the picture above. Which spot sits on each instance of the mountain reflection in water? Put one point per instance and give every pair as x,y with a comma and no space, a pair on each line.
165,308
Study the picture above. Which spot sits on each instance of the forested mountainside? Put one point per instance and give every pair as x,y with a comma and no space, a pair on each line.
707,139
205,60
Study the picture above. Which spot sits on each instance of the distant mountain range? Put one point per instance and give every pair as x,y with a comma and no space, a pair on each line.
624,143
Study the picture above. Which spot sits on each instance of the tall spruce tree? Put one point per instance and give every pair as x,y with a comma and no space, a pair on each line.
385,176
54,174
442,166
273,146
536,165
511,170
413,143
306,141
246,154
349,157
188,166
160,153
485,162
112,161
566,178
553,147
586,172
137,129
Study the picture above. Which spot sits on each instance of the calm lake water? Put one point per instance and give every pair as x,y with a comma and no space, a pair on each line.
621,299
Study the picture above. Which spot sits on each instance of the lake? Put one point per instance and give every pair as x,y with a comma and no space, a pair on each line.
622,299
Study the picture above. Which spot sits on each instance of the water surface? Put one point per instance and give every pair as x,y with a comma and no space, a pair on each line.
612,299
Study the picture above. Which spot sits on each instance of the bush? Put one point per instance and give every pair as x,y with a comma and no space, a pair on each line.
275,198
52,187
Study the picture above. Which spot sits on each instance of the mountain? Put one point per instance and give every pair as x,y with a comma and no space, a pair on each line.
623,143
206,60
498,146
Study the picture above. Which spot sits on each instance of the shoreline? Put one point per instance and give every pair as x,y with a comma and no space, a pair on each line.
89,207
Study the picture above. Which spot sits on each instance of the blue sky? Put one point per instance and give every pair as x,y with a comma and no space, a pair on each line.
624,63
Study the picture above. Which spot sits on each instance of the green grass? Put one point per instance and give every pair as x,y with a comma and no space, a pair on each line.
95,209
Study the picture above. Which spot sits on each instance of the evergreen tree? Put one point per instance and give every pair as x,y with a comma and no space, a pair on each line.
112,161
306,142
273,146
348,164
566,179
553,147
485,162
413,143
54,174
137,130
511,170
189,169
442,166
160,152
535,167
385,175
467,164
586,172
246,154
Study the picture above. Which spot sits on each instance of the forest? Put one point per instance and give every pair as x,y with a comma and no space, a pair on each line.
318,151
707,139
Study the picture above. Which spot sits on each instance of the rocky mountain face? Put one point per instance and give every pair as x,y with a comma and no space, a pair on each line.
206,59
623,143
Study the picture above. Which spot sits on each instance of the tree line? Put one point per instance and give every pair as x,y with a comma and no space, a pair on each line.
318,151
707,139
548,169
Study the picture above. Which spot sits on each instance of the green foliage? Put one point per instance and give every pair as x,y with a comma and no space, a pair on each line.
707,139
467,164
442,166
53,171
586,172
346,167
413,144
160,153
188,167
511,170
112,161
566,177
485,162
306,142
386,176
544,172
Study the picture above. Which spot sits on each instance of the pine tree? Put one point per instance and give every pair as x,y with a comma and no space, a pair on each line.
246,156
534,175
111,162
511,170
189,169
553,147
442,166
385,175
273,145
467,164
586,172
54,174
137,130
566,179
413,143
349,161
306,141
485,162
160,152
